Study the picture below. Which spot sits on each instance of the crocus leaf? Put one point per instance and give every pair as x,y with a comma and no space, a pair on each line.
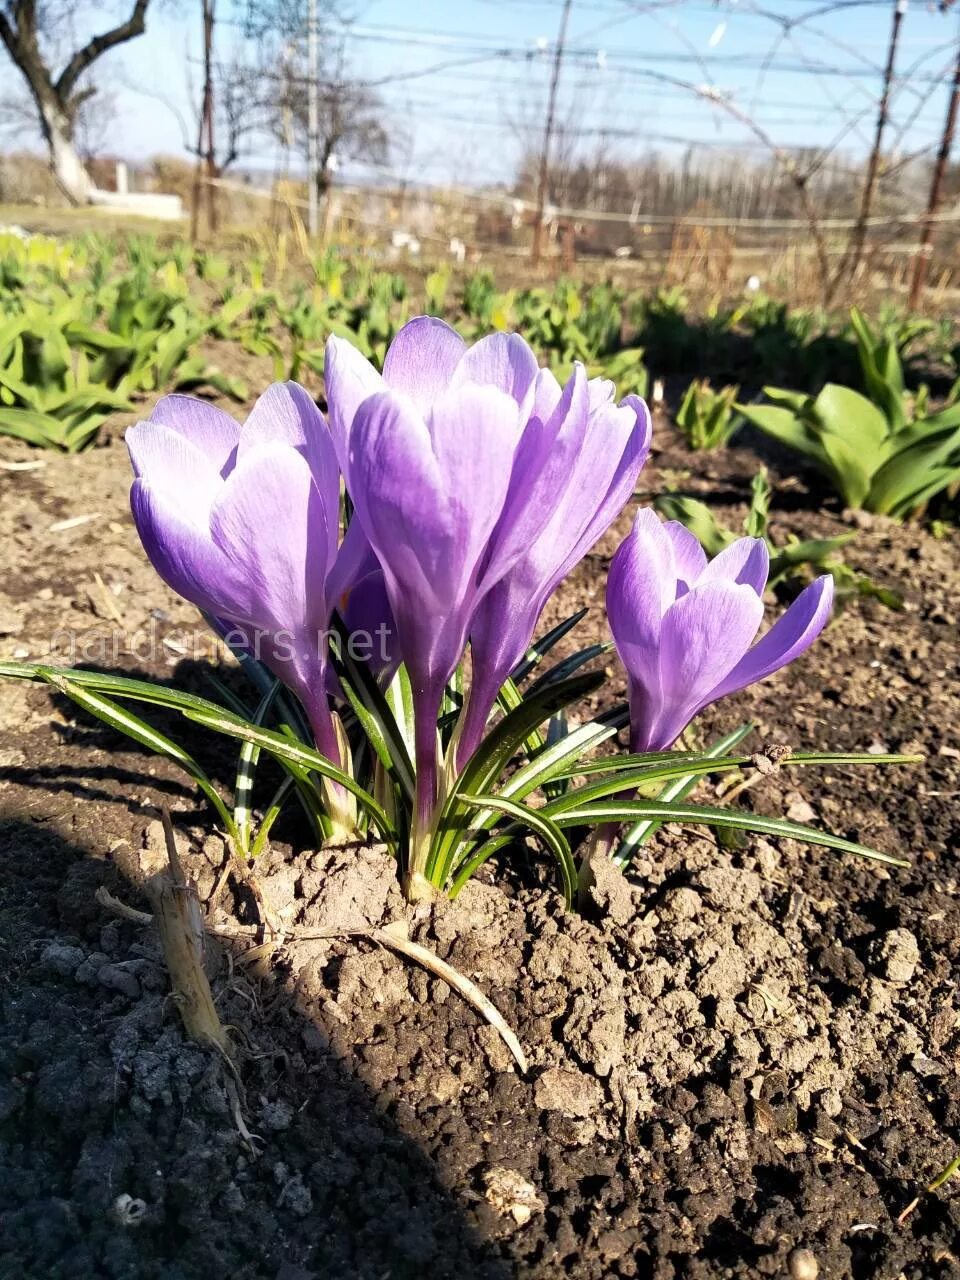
102,682
295,756
284,749
123,720
542,826
690,769
495,752
569,666
676,791
508,699
623,810
488,762
246,771
538,651
270,816
550,763
399,696
468,867
663,764
373,711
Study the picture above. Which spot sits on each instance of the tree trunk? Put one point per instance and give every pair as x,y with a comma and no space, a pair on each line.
69,170
58,99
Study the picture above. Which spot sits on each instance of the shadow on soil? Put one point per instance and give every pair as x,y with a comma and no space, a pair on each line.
110,773
101,1098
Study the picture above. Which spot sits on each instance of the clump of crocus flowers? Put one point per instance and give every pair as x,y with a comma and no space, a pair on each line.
475,482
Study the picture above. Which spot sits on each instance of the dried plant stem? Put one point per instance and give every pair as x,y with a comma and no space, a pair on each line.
179,920
394,937
952,1168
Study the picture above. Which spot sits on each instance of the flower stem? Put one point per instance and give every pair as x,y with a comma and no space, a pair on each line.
331,742
416,886
473,720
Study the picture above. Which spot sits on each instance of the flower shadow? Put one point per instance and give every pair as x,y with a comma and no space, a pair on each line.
107,1109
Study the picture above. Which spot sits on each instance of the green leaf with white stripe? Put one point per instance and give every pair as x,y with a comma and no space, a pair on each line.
541,826
246,771
125,722
677,790
482,770
373,711
539,650
602,811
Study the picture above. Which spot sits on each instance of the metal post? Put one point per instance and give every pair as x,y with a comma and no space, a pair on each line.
925,252
859,236
544,177
313,120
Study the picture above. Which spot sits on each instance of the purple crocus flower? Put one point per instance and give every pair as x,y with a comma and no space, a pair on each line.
455,459
684,627
243,521
357,590
593,493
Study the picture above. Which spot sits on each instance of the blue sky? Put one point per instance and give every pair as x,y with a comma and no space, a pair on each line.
467,122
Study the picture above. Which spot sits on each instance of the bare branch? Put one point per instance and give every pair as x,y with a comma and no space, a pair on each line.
84,58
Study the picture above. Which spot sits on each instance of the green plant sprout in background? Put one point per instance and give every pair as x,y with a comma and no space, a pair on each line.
706,417
795,561
880,450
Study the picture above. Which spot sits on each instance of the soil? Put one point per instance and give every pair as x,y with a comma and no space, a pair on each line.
744,1066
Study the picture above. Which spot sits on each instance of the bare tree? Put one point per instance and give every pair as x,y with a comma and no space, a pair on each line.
351,117
29,30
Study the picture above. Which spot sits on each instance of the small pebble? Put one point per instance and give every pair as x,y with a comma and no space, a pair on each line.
128,1210
896,955
61,958
276,1116
803,1265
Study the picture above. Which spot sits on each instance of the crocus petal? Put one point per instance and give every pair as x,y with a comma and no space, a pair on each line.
286,414
641,587
746,561
791,635
357,589
349,379
704,635
618,438
270,524
615,447
689,556
355,560
545,455
369,619
212,431
181,550
502,360
546,395
428,495
171,463
421,360
602,393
